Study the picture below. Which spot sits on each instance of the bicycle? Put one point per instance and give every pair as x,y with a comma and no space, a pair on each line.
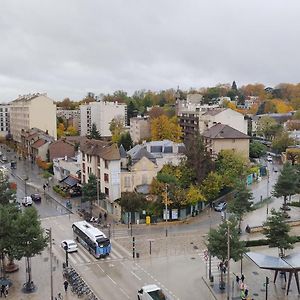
59,297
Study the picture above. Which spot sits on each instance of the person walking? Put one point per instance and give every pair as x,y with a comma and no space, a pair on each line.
237,279
105,216
242,278
100,217
66,284
2,291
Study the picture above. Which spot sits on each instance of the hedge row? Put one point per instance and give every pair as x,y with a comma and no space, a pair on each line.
264,242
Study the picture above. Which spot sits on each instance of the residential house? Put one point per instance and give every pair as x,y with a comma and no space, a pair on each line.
4,120
67,168
32,111
224,137
139,172
164,152
101,113
61,148
103,160
34,144
139,129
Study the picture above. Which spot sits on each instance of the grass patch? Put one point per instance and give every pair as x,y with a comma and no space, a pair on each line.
262,203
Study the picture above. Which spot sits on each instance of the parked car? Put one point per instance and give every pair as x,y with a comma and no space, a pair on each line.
269,158
27,201
221,206
70,244
36,197
4,158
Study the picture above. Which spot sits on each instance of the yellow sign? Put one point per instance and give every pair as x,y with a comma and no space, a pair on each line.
148,220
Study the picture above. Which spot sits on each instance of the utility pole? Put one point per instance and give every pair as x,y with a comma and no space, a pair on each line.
49,232
166,208
267,283
98,201
228,260
209,257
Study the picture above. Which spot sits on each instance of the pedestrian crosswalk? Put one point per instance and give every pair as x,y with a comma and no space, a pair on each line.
83,257
215,262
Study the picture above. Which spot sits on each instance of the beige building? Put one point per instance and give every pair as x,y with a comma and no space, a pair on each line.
139,129
138,175
225,116
103,160
32,111
223,137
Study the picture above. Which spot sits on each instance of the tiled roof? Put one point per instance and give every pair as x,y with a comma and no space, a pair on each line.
103,149
221,131
38,143
142,153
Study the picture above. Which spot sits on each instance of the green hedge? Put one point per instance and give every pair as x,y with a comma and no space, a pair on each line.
264,242
294,203
57,189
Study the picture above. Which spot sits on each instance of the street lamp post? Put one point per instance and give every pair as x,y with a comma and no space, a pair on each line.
67,255
49,231
166,209
209,257
228,260
25,187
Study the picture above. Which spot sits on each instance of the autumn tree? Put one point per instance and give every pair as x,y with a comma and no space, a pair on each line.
231,166
116,128
194,195
156,112
211,186
277,232
60,130
267,127
165,128
132,202
8,195
281,142
293,155
71,131
257,149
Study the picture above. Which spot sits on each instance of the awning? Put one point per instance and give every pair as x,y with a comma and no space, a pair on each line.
70,181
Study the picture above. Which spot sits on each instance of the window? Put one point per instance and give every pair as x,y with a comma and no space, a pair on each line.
106,164
106,191
105,177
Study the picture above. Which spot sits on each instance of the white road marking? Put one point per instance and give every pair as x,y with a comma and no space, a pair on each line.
135,275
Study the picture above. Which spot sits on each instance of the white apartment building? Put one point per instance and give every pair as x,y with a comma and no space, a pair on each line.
32,111
4,119
224,116
71,116
103,160
139,129
101,113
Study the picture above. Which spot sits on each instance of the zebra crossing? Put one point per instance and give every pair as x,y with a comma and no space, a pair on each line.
214,262
83,257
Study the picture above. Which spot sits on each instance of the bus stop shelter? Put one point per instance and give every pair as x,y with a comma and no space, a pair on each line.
289,264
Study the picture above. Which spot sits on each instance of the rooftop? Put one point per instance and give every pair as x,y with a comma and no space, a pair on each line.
222,131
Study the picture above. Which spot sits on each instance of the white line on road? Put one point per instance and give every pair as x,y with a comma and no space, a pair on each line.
111,279
135,275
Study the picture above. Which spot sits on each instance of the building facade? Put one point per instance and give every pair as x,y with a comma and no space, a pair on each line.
4,119
101,113
70,116
103,160
139,129
32,111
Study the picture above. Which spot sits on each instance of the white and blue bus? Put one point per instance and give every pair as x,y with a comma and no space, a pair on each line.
91,238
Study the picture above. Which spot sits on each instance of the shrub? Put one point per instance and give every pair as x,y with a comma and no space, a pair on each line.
294,203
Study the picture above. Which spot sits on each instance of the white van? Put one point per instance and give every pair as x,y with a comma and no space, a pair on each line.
151,292
27,201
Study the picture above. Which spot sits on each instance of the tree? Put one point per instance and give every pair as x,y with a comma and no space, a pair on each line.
281,142
231,166
234,86
116,128
156,112
132,202
31,239
293,154
198,157
94,133
126,141
60,130
131,111
71,131
267,127
257,149
241,202
277,232
286,184
218,242
89,191
211,186
297,113
194,195
8,216
8,195
165,128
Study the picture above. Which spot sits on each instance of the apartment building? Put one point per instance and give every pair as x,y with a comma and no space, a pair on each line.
101,113
4,119
32,111
140,129
103,160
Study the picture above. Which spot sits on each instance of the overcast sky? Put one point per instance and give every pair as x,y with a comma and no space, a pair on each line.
70,47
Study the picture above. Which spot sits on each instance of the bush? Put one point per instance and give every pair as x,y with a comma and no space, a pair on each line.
294,203
260,242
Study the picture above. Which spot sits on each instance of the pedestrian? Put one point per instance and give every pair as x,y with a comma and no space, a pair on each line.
246,292
237,279
105,216
2,291
242,278
243,297
66,284
44,187
6,289
47,184
100,217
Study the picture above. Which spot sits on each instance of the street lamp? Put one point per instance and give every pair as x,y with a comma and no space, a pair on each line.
228,259
166,209
49,232
25,181
67,257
